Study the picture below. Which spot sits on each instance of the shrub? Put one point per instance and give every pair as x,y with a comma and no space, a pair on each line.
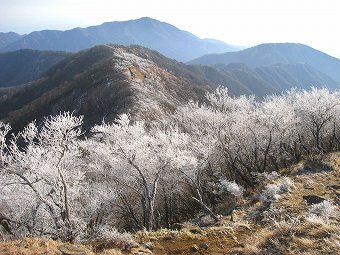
324,210
274,190
111,235
231,187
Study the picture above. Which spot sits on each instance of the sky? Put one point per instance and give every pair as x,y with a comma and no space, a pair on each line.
239,22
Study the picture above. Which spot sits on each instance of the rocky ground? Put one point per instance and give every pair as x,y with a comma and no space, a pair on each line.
296,212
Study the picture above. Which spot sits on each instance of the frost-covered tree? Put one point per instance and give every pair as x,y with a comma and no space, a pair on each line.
263,136
137,159
56,182
4,129
318,111
43,185
220,127
202,122
272,124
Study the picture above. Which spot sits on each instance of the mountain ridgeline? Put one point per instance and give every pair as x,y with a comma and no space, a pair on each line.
160,36
123,138
101,83
8,38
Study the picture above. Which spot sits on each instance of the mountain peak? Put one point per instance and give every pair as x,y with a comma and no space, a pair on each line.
148,32
148,19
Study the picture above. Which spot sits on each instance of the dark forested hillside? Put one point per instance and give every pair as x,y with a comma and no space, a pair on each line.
241,79
107,80
22,66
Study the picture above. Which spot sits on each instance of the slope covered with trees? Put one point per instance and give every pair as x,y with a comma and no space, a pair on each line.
265,80
22,66
101,83
131,174
104,81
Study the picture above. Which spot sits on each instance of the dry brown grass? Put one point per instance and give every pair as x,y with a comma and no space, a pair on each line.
296,232
34,246
305,238
136,73
219,239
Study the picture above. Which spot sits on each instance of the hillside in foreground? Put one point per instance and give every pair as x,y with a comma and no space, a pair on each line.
302,218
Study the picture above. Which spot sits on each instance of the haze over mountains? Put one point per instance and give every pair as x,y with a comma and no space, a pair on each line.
163,37
8,38
275,53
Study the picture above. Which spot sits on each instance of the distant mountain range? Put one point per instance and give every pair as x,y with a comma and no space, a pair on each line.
160,36
8,38
277,53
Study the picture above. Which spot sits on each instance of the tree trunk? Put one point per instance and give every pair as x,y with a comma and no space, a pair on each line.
206,209
150,214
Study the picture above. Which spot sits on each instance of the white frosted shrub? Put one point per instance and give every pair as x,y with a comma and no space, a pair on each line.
285,184
270,193
274,190
324,209
231,187
287,225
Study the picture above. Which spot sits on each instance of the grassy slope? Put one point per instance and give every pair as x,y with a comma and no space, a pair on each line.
289,232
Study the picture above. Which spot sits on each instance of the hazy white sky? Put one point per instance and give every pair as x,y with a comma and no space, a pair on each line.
241,22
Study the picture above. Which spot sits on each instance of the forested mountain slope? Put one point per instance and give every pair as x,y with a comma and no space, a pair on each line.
22,66
102,82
